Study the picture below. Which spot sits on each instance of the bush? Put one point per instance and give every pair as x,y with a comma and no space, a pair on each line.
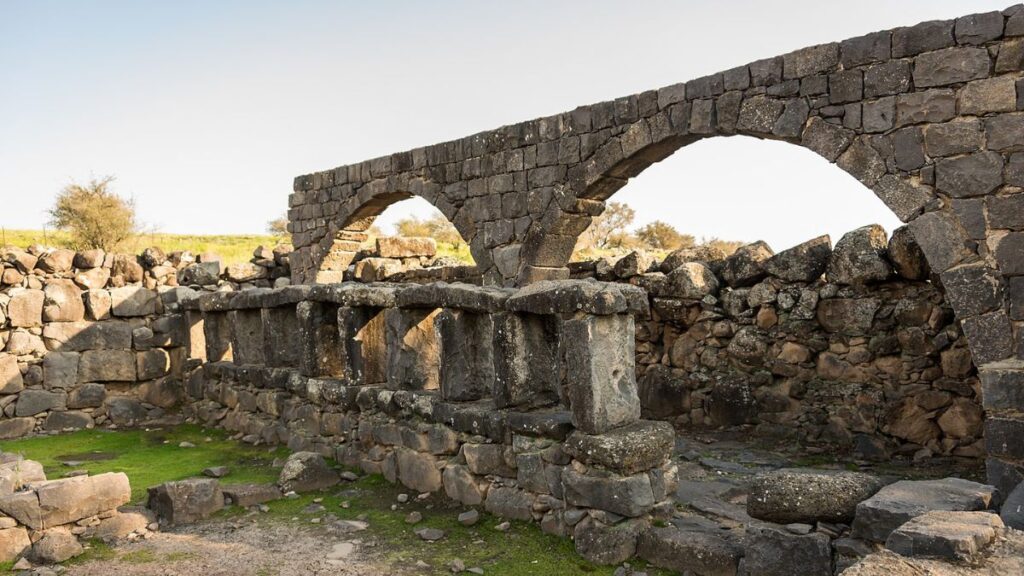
93,215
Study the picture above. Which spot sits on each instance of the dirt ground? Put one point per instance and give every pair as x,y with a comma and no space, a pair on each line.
232,548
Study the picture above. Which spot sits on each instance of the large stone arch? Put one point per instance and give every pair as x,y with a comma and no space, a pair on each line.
929,117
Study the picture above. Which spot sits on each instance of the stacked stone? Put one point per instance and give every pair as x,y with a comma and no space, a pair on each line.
80,358
523,402
851,347
267,268
929,117
47,521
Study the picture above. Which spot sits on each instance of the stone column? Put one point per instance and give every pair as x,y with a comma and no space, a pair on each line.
600,373
466,354
363,350
413,354
217,334
527,372
196,335
319,340
246,335
281,343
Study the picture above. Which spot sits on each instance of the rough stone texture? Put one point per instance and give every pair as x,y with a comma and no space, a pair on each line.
630,496
808,496
1012,511
186,501
401,247
55,546
745,266
683,551
57,502
628,449
898,503
958,536
413,351
132,301
860,257
802,263
770,551
692,280
11,380
13,543
601,381
305,472
607,545
62,302
246,495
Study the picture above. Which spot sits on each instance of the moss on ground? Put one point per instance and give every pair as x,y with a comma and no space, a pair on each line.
150,457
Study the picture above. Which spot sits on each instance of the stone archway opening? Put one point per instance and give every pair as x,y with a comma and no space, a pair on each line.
845,343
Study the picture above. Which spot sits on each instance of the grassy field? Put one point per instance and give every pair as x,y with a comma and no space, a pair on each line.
154,456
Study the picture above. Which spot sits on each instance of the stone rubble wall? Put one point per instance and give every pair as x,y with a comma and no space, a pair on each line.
852,347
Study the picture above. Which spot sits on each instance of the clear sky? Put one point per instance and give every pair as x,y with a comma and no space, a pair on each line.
205,110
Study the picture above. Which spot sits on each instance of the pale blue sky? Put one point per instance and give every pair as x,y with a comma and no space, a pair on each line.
206,110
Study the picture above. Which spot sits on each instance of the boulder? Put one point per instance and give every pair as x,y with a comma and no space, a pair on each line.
13,543
90,395
378,269
635,263
463,486
59,261
125,411
898,503
711,256
306,471
32,402
86,335
860,257
62,302
906,256
186,501
16,427
1012,511
511,503
121,523
199,274
802,263
745,267
56,502
127,267
772,551
17,474
93,278
152,257
629,449
25,310
418,471
245,272
807,496
89,258
691,280
56,546
957,536
690,551
607,545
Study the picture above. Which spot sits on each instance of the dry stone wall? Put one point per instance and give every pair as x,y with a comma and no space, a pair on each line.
851,347
928,117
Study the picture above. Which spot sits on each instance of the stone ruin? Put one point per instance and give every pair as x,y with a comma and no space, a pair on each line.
546,394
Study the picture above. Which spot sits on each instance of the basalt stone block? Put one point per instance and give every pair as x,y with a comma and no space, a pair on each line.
810,60
246,495
990,337
950,66
771,551
186,501
553,424
745,266
937,105
731,401
89,395
630,496
467,354
957,536
125,411
887,78
79,336
860,257
827,140
897,503
874,47
16,427
364,350
629,449
691,280
975,174
1002,437
319,339
305,472
62,302
526,364
690,551
70,420
152,364
600,376
463,486
607,545
281,344
978,28
455,295
418,471
131,301
808,496
490,459
906,256
217,334
1012,511
802,263
922,37
413,357
572,296
107,366
988,95
1005,132
511,503
959,136
972,289
758,115
904,197
32,402
246,336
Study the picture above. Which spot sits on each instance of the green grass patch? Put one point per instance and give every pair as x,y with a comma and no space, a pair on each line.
150,457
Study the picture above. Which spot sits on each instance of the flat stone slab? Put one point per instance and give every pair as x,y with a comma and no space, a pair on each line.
695,551
628,449
246,495
902,501
946,535
804,495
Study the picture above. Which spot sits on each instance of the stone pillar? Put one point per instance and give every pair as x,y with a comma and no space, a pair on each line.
1002,393
413,354
217,334
319,340
246,335
281,343
363,347
600,374
467,354
196,335
526,367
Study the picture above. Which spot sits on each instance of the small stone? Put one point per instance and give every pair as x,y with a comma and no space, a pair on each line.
402,498
186,445
503,527
414,517
430,534
469,518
